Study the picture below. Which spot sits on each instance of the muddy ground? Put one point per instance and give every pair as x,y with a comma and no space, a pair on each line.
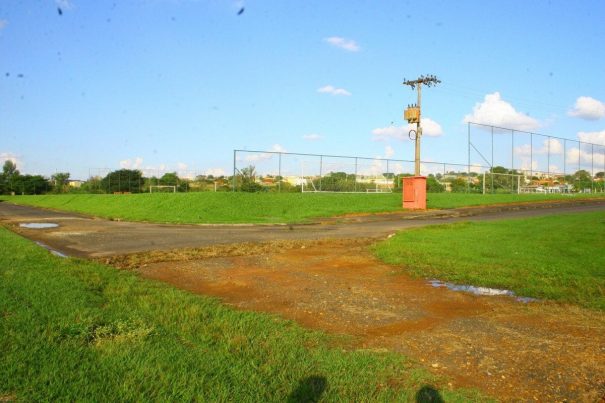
508,349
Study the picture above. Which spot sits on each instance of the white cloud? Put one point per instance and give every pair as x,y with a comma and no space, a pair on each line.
343,43
592,137
312,137
389,151
64,4
553,146
497,112
8,156
278,148
131,164
587,157
526,166
258,157
3,24
215,172
264,156
182,166
476,168
329,89
588,108
429,128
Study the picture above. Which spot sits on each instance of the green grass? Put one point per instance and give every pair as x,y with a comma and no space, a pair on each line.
251,207
555,257
77,330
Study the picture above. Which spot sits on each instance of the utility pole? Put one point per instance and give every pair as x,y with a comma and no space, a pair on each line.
413,114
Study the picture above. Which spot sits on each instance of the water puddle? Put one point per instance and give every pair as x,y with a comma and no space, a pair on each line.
51,250
38,225
479,290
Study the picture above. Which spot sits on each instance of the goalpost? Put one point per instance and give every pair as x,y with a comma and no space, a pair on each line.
160,187
343,177
511,183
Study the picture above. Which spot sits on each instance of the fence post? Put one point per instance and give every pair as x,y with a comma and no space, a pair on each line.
321,166
468,169
531,157
565,160
592,168
492,162
356,174
512,160
234,168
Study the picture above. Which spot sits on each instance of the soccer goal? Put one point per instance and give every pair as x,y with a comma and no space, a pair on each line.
162,189
502,182
345,177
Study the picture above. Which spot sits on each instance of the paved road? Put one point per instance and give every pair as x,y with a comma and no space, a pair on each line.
81,236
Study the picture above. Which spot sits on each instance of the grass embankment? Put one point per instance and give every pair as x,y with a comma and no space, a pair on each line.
555,257
251,207
76,330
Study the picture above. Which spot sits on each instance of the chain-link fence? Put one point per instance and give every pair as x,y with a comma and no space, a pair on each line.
500,160
539,162
295,172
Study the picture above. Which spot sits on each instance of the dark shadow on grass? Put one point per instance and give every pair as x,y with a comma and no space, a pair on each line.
309,389
428,394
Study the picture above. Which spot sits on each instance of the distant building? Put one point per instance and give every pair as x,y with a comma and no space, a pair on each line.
75,183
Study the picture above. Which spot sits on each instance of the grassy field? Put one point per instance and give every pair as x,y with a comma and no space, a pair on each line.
76,330
555,257
224,207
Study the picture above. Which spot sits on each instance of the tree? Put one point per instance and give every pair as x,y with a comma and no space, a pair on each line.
9,175
248,180
433,185
123,180
31,184
60,182
581,180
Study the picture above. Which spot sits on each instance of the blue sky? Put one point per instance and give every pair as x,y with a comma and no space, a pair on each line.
178,84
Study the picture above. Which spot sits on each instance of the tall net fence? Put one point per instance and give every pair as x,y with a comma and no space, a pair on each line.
541,163
284,172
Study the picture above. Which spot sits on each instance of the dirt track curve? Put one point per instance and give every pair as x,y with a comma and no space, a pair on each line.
324,277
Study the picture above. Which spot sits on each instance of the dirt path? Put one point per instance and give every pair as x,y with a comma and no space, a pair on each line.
509,349
81,236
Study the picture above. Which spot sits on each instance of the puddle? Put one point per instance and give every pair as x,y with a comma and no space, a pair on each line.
38,225
479,290
51,250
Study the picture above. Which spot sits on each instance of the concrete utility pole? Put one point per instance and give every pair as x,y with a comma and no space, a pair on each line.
413,114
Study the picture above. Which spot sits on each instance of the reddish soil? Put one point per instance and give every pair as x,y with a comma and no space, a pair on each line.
508,349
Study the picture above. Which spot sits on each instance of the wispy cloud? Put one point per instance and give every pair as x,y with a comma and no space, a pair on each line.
215,172
312,137
593,137
552,146
3,24
135,163
497,112
347,44
429,128
8,156
389,151
330,89
588,108
257,157
64,4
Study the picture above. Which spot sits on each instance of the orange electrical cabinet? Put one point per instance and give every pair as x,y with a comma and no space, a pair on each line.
414,192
